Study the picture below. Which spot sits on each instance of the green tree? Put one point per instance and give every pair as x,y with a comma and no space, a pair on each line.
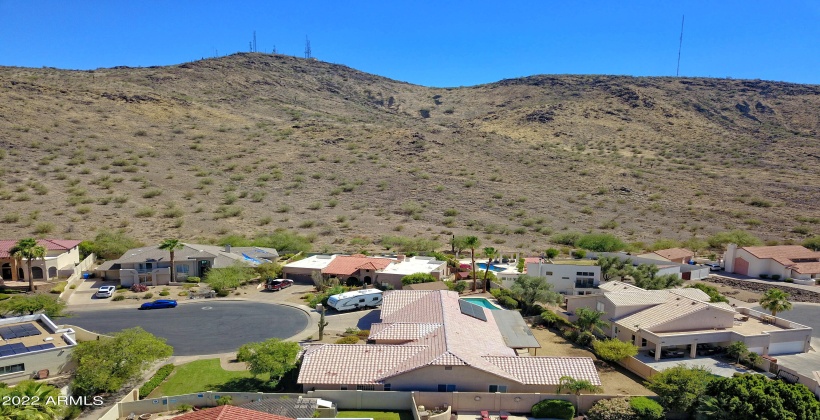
472,242
812,243
775,300
222,279
646,277
269,270
108,245
737,350
459,243
714,294
520,265
695,244
491,253
418,278
600,242
107,365
614,267
45,395
272,356
752,396
30,304
576,386
172,245
552,253
664,244
29,250
529,290
680,387
590,320
739,237
614,350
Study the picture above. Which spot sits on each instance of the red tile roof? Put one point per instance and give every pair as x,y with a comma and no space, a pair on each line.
807,268
229,412
783,254
346,265
48,244
675,253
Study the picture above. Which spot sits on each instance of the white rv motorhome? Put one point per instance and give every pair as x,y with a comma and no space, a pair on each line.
357,299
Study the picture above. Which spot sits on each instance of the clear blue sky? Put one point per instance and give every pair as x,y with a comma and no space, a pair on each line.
432,43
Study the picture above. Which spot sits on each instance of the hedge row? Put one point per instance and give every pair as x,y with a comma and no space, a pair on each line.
157,379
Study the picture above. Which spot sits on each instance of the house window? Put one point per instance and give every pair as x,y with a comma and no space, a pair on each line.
643,342
446,388
5,370
548,273
617,330
584,282
182,268
343,387
365,387
633,338
387,387
599,306
448,368
498,388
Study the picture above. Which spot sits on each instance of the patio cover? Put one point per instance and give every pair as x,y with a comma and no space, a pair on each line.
516,333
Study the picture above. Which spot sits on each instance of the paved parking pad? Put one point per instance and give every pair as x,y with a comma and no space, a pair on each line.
201,327
718,366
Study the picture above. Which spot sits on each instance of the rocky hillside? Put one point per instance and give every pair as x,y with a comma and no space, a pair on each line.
250,143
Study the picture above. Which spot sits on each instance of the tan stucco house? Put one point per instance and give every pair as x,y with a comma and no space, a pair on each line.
783,261
61,256
685,319
152,265
676,255
364,269
433,341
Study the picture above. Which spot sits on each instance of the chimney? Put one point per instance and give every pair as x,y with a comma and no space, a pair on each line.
729,258
227,248
401,258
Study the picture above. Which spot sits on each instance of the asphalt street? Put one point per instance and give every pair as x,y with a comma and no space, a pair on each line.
200,328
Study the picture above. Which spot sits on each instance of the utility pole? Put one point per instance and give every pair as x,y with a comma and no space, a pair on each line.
254,42
274,49
680,45
307,47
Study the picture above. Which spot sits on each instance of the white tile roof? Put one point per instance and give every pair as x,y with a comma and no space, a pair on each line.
618,286
638,296
547,370
675,308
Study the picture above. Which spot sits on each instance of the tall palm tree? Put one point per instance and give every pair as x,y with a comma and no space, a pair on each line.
775,300
491,253
472,242
171,245
575,386
28,249
45,395
590,320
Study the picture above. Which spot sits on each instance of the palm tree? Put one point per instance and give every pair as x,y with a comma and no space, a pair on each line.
589,320
472,242
46,396
28,249
775,300
575,386
491,253
172,245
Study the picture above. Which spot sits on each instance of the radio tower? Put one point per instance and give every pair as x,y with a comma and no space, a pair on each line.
254,42
680,45
307,47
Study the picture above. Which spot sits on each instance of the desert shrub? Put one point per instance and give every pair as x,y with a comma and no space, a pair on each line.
418,278
600,242
118,298
224,400
508,302
155,380
551,319
164,293
348,339
584,338
614,350
612,409
789,280
775,276
59,287
579,253
363,334
764,276
192,279
460,286
184,408
646,409
223,293
570,334
148,295
139,288
553,409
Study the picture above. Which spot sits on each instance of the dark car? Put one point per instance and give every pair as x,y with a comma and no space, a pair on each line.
278,284
158,304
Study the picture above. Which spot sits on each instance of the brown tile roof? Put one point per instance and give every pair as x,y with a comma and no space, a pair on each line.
807,268
433,331
433,285
48,244
783,254
675,253
346,265
230,412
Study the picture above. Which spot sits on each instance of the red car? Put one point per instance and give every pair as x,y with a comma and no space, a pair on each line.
278,284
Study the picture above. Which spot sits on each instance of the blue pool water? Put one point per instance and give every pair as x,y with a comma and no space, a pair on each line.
483,266
482,302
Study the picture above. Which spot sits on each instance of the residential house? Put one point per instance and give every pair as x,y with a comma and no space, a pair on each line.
33,347
684,318
61,256
684,271
782,261
433,341
230,412
568,277
363,269
676,255
153,265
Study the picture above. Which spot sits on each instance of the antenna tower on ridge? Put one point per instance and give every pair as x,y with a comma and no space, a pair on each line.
254,42
307,47
680,45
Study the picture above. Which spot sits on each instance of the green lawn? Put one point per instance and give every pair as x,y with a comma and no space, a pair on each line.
377,415
207,375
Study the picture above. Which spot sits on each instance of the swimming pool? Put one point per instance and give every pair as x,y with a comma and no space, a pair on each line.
483,266
482,302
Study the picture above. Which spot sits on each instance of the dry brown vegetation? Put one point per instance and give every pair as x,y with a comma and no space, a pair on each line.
253,142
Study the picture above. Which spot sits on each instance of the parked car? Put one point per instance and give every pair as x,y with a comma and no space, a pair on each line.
278,284
714,267
105,291
159,304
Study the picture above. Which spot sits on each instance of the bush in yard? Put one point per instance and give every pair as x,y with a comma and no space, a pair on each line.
612,409
223,293
508,302
139,288
775,276
164,293
614,350
59,287
148,295
192,279
646,409
118,298
155,380
584,338
363,334
224,400
348,339
553,409
418,278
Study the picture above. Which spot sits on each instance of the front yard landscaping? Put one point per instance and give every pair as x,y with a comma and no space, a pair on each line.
208,375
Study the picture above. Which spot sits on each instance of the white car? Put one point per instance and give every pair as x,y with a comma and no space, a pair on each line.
105,291
714,267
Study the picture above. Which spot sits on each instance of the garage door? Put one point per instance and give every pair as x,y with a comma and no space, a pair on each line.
786,347
741,266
